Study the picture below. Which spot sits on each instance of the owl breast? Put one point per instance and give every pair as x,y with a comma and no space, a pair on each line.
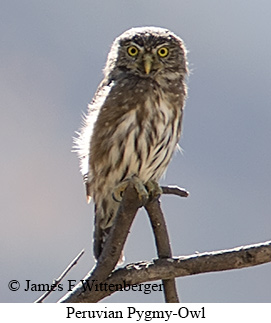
151,136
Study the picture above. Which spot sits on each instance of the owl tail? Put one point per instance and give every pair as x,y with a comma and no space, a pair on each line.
99,238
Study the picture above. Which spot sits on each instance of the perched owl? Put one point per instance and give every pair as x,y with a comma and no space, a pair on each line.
133,123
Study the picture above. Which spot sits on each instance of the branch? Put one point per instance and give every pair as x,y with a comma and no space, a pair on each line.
163,246
237,258
175,190
57,281
162,242
112,247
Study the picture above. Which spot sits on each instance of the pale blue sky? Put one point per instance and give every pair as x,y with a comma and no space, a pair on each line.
52,55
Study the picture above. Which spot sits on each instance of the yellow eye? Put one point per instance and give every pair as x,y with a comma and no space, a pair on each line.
163,51
132,51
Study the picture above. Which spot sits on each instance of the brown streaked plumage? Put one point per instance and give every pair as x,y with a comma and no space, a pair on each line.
134,122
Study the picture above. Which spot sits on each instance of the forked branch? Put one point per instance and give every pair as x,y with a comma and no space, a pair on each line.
117,237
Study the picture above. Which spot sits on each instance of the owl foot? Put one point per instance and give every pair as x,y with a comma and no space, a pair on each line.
153,189
142,193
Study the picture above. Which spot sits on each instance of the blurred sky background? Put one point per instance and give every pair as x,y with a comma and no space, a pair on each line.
52,56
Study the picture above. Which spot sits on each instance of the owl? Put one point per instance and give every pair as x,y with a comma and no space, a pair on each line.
133,123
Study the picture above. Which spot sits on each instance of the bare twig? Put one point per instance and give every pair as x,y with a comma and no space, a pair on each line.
175,190
163,246
58,280
237,258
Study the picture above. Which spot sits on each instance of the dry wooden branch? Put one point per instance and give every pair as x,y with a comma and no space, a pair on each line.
112,247
175,190
237,258
162,245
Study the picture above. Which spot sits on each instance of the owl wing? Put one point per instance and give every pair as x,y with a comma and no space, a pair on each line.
82,142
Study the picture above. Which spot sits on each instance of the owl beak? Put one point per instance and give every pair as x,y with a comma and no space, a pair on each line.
147,64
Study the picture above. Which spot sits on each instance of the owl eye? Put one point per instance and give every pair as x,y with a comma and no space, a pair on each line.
132,51
163,51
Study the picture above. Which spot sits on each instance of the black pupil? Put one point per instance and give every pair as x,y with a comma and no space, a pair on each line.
133,50
162,52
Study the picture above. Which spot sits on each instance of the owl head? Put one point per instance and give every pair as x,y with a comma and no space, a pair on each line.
147,52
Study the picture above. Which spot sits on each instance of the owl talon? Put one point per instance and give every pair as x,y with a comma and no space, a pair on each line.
153,189
119,190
